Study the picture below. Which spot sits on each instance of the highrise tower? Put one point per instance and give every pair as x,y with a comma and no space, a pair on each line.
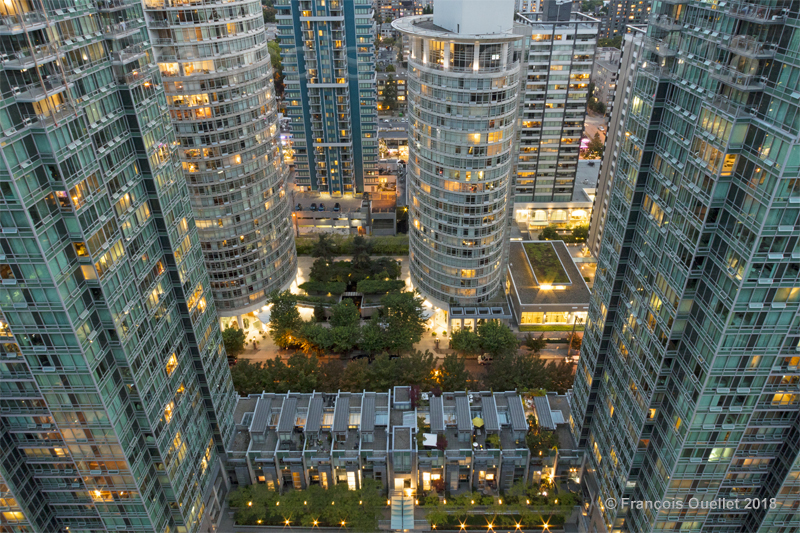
115,394
218,80
687,386
328,55
463,85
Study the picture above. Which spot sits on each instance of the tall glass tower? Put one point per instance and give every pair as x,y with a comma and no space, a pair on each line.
328,55
463,86
115,394
218,80
687,388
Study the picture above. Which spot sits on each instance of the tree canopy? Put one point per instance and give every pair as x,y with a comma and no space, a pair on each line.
233,340
284,319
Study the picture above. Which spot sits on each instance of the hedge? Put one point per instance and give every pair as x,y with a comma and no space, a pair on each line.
343,245
377,286
319,287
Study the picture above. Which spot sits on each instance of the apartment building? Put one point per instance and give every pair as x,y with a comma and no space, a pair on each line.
559,57
218,77
686,388
466,441
621,14
116,396
624,74
328,56
463,81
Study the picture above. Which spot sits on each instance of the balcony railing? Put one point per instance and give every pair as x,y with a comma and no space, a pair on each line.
666,22
747,46
58,113
114,5
13,23
120,30
661,48
35,92
128,54
27,58
757,13
739,80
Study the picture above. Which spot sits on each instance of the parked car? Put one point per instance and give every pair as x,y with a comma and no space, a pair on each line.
321,207
313,207
485,359
336,207
298,207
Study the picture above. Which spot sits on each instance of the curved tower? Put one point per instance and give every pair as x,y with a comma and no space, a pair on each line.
463,83
218,79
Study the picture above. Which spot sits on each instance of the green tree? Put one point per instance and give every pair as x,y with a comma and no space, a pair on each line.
285,319
361,263
402,314
277,65
319,313
415,368
535,344
575,341
595,147
345,330
453,374
269,14
233,340
247,377
613,42
372,340
497,338
389,102
390,68
549,234
580,233
540,441
427,10
560,376
590,89
315,338
323,248
465,341
522,371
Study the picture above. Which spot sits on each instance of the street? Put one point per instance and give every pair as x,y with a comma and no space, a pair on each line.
593,124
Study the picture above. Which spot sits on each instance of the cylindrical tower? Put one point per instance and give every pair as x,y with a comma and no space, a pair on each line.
462,103
218,79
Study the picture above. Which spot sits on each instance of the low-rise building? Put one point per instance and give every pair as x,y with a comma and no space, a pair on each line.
604,74
544,286
456,441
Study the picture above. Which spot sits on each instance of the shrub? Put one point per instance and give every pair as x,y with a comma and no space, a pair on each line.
318,287
376,286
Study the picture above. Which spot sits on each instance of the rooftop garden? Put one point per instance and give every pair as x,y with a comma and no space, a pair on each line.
546,265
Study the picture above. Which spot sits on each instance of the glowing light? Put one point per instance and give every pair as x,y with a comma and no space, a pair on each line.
316,522
528,501
473,502
463,526
249,504
518,526
546,287
388,502
342,522
287,522
500,502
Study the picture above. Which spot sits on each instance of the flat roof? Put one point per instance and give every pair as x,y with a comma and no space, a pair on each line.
530,292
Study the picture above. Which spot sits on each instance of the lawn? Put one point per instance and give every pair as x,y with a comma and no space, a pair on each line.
545,263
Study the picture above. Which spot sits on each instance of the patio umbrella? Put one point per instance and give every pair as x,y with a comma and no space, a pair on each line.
477,422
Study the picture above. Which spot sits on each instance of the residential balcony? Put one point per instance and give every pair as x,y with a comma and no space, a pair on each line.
665,22
109,6
747,46
128,54
120,31
739,80
757,13
661,48
36,92
60,112
12,24
27,58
